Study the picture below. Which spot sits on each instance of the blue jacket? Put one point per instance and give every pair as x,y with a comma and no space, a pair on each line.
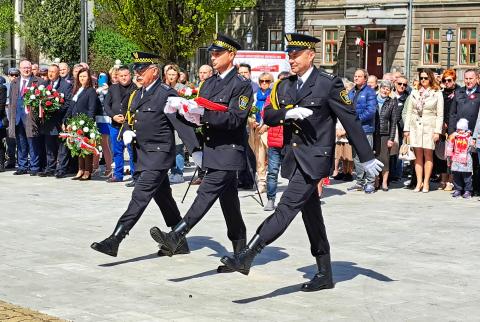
365,102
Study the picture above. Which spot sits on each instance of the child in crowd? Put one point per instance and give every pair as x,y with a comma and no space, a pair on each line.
459,146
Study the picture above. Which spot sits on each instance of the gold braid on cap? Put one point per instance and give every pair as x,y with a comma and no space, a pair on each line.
296,43
224,45
145,60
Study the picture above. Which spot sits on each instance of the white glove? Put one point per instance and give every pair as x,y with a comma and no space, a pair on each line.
191,107
128,137
372,167
298,113
198,158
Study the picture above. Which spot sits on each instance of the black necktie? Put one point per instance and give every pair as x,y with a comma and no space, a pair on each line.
299,83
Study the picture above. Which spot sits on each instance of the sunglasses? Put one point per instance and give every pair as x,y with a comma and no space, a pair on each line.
447,80
267,81
423,78
402,84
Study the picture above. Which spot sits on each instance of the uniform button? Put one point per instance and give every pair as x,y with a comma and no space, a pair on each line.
134,131
296,131
325,152
158,148
312,103
281,121
233,145
208,126
149,108
136,121
208,138
283,101
294,144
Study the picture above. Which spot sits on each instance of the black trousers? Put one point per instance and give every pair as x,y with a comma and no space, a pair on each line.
301,195
462,181
151,184
52,143
11,150
219,184
64,159
245,177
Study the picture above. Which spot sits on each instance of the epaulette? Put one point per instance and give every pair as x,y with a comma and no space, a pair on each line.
243,79
327,75
165,86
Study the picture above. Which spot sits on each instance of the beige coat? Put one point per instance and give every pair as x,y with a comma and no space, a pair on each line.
423,127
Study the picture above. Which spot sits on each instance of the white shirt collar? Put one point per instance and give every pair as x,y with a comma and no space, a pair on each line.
150,86
225,73
306,75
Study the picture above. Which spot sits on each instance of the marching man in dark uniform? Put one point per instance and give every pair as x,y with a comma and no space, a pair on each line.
150,131
307,104
224,149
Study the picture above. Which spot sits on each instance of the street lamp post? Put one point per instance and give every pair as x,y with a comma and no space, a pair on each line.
449,48
84,30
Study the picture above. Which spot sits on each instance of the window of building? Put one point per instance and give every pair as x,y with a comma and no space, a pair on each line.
468,46
276,40
431,46
330,46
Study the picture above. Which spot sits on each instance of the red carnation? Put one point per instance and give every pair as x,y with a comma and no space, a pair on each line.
55,94
79,132
49,87
25,90
48,103
85,139
62,100
37,92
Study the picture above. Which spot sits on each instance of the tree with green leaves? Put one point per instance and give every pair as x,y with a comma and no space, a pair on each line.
7,12
173,29
53,28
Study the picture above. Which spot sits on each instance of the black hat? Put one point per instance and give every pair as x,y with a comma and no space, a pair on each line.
142,60
222,42
13,71
300,42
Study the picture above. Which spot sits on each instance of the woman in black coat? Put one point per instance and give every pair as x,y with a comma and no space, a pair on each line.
85,100
386,127
3,122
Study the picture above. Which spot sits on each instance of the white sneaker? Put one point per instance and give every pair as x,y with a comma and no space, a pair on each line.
270,206
176,178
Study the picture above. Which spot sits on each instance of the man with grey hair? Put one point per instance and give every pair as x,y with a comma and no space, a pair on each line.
204,72
65,72
372,82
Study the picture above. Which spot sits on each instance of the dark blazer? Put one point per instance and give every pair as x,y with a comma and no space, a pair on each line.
32,126
225,132
3,114
464,106
310,143
115,103
87,103
154,144
53,124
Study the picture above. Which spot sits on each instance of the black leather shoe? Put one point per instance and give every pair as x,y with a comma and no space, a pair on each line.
45,174
323,279
20,172
60,175
130,184
171,241
10,165
242,261
109,246
33,173
182,250
238,245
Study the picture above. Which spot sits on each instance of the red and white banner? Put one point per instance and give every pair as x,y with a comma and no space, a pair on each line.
273,62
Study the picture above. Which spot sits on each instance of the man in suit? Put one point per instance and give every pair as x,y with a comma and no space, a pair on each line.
52,125
65,72
224,150
115,105
13,73
25,127
307,104
151,131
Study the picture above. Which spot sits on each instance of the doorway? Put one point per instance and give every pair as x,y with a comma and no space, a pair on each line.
375,51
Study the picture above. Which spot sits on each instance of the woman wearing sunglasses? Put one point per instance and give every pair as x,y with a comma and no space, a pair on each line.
423,126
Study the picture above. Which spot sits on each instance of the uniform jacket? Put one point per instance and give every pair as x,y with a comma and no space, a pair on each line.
32,126
154,144
115,103
53,124
87,103
464,106
365,102
310,143
423,125
225,132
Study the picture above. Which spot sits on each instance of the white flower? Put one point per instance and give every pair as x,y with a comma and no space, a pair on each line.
74,128
81,122
32,88
41,87
62,95
48,93
92,135
99,148
32,97
86,129
57,99
188,92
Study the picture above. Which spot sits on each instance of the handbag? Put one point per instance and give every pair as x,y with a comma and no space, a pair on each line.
406,152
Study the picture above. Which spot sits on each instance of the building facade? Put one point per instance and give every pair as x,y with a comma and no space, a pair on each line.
381,36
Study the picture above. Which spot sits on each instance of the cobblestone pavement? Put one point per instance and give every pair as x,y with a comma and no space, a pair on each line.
13,313
396,256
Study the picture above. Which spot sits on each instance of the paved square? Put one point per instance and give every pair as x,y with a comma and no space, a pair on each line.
396,255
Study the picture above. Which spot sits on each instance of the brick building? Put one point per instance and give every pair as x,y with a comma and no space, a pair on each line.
383,26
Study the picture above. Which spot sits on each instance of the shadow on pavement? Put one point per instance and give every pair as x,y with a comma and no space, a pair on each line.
131,260
342,271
